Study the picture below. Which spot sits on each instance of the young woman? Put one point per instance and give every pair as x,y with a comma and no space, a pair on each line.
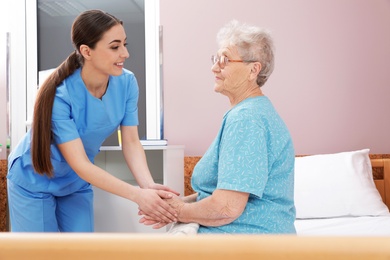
80,104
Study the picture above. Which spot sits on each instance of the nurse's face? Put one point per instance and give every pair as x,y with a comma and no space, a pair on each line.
110,52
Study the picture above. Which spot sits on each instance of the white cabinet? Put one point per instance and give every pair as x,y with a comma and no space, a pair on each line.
116,214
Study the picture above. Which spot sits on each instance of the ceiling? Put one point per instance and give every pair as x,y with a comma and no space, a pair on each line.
53,13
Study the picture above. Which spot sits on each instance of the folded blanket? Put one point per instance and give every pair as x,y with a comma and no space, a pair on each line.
184,228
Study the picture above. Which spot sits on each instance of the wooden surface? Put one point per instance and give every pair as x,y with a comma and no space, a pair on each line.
3,196
189,164
381,172
157,246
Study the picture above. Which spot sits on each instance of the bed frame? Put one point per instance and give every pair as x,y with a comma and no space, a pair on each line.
381,173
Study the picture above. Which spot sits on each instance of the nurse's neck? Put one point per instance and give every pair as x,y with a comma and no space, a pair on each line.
96,85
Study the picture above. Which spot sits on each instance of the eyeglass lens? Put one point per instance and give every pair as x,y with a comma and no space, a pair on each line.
222,61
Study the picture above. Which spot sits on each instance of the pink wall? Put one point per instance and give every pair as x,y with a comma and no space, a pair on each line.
331,83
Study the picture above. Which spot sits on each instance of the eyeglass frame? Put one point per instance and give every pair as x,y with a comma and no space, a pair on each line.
226,60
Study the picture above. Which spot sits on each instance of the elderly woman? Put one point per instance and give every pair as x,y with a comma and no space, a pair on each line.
244,183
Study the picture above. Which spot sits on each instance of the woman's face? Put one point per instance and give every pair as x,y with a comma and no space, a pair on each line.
110,53
232,79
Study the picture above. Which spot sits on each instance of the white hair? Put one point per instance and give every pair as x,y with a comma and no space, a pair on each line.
253,43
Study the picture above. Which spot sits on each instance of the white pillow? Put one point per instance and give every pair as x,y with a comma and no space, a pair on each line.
336,185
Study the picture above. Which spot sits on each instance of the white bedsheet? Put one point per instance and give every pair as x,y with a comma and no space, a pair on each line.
346,226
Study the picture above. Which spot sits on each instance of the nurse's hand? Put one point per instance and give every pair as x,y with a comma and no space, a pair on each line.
147,221
157,186
150,201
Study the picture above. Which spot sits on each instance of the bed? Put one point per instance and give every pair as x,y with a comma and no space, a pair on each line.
358,233
339,194
342,194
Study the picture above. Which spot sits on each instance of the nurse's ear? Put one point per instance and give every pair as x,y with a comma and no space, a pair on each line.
85,51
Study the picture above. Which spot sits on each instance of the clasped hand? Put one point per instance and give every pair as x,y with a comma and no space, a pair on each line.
174,203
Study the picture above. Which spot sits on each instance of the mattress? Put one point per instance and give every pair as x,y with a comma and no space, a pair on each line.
344,226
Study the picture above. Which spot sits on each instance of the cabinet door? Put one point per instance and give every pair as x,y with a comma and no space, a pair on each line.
174,168
116,214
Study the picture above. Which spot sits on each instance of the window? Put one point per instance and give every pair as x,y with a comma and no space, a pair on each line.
48,43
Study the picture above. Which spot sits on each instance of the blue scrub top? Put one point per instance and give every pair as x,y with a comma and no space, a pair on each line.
252,153
77,114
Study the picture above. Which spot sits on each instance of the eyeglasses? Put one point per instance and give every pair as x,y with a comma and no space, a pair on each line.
223,60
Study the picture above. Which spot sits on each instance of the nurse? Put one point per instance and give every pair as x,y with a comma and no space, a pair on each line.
86,98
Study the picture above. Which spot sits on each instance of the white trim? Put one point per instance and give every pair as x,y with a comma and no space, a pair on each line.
152,57
18,49
31,58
